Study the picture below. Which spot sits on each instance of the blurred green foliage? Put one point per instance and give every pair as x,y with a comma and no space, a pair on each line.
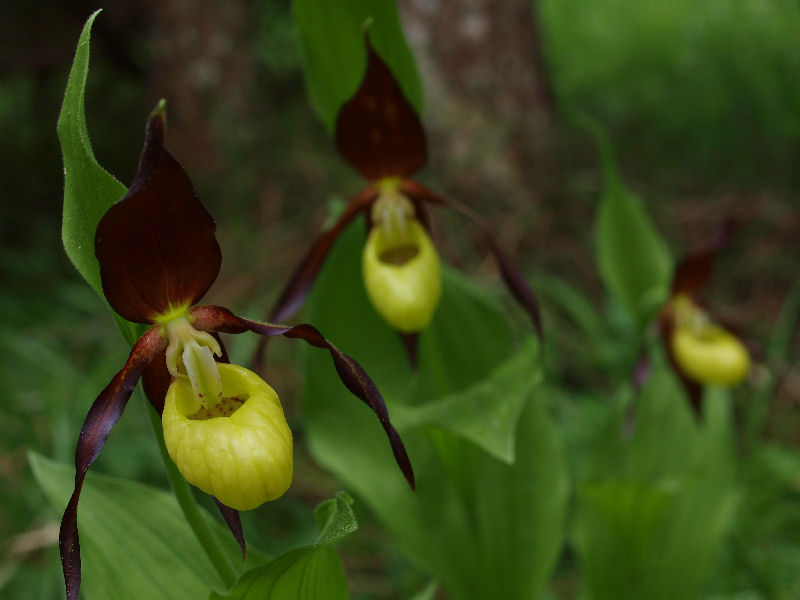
711,86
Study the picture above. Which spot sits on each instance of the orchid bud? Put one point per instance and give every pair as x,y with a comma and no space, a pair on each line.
239,449
704,351
402,275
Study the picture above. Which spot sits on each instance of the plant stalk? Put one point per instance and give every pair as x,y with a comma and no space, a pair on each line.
188,504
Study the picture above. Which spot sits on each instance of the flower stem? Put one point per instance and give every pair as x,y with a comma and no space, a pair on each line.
186,500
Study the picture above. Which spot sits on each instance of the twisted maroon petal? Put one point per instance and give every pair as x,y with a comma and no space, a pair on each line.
512,276
156,246
301,281
377,130
103,415
305,274
217,318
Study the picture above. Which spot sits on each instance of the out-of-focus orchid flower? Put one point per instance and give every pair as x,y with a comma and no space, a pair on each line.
379,133
700,350
223,425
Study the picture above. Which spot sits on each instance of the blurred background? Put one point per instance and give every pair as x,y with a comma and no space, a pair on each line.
701,99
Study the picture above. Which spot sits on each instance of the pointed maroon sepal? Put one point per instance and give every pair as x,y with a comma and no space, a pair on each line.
694,272
103,415
512,276
378,130
302,280
355,379
156,246
234,523
410,343
155,382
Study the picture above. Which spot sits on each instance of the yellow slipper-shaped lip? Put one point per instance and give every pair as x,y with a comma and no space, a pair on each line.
240,451
710,355
403,281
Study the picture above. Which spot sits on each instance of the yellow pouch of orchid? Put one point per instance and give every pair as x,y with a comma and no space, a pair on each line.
239,450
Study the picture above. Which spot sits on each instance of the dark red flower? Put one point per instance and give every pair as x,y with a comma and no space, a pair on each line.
158,256
379,133
700,351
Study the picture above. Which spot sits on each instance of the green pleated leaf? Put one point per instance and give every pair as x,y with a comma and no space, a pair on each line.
309,573
313,573
332,34
633,259
652,518
135,542
481,527
486,413
88,188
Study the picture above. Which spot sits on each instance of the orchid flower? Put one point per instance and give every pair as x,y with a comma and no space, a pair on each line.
223,425
700,350
379,133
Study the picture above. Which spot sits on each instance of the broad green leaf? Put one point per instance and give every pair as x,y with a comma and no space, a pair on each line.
135,542
481,527
332,35
486,413
652,516
311,573
633,259
88,188
308,573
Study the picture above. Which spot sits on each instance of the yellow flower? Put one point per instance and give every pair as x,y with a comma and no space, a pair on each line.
704,351
402,276
239,451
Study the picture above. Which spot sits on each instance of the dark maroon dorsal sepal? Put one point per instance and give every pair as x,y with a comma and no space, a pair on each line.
694,272
377,130
156,246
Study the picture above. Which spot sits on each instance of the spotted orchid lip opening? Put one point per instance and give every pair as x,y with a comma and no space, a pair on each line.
226,407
